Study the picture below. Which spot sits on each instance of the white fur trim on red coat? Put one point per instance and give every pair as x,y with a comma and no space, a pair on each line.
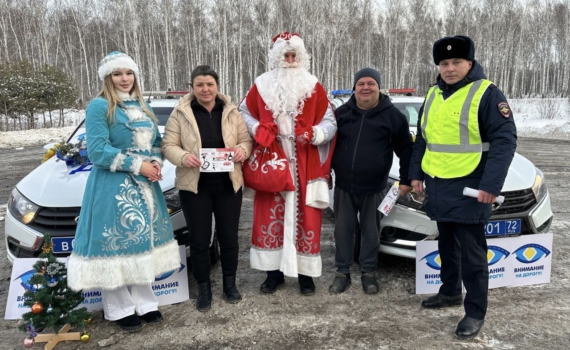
317,194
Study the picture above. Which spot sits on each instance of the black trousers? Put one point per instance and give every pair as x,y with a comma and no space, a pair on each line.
463,253
221,200
347,208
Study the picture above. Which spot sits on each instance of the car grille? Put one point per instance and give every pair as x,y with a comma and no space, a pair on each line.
60,222
57,222
516,202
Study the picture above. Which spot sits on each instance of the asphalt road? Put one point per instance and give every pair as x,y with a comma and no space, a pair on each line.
533,317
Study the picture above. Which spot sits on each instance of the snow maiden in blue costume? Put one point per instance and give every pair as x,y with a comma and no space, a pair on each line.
124,236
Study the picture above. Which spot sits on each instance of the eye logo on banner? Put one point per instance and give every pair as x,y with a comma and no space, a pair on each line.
433,260
495,254
530,253
25,278
168,274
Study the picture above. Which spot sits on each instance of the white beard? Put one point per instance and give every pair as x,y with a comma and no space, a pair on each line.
284,90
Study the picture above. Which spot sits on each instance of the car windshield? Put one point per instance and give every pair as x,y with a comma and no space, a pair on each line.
162,114
410,110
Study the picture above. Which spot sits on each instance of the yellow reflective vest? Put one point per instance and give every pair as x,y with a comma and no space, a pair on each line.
451,130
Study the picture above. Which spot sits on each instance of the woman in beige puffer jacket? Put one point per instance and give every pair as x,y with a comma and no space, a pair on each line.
206,118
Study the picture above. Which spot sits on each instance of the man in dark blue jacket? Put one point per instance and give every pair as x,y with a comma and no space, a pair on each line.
370,130
466,138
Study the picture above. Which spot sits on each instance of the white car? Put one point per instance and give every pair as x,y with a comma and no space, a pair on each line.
48,200
526,209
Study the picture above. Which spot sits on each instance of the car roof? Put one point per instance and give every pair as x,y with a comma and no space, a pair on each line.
413,99
163,102
338,101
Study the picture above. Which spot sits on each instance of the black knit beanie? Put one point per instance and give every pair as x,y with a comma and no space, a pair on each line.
367,72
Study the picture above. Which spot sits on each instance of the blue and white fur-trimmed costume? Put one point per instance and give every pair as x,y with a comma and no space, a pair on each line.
124,236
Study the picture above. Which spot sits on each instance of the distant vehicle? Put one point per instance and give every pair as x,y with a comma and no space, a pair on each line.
48,200
526,209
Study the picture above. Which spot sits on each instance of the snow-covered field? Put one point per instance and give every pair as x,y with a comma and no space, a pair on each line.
546,118
543,118
24,138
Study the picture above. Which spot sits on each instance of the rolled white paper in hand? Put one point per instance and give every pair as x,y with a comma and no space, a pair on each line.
391,197
470,192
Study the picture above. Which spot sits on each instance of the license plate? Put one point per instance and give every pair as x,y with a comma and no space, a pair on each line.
503,228
62,244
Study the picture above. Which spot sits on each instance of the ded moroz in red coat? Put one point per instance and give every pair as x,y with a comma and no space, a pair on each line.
287,226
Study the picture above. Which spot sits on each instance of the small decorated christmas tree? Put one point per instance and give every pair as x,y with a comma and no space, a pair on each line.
52,303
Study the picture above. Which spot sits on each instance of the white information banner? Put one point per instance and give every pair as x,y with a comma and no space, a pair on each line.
428,266
169,288
532,259
513,261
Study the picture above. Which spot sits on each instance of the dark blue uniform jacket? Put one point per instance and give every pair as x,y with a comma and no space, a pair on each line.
445,201
365,146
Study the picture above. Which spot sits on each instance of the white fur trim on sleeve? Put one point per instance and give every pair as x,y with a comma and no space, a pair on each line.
118,162
318,136
317,194
254,128
136,165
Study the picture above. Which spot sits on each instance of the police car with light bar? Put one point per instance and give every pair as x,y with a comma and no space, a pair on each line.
526,208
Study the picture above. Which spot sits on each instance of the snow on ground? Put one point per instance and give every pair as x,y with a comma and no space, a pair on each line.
544,118
24,138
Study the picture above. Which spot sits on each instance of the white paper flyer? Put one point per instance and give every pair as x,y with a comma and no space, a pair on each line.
216,160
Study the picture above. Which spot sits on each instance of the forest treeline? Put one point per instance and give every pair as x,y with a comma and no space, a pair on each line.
522,44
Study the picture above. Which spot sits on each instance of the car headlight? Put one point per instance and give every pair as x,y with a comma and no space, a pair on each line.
411,200
539,187
172,200
21,208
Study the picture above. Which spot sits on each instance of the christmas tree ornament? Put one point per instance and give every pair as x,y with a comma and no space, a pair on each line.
53,269
37,308
89,320
47,247
29,342
52,282
85,337
32,332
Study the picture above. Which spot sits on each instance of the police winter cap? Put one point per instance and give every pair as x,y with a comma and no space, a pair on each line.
366,72
117,60
453,47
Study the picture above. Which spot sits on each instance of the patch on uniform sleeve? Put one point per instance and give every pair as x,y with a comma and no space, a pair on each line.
504,109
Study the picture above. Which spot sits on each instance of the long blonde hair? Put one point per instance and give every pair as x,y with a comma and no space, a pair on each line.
108,92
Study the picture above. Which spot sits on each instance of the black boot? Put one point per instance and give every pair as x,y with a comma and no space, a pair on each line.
440,300
230,290
468,328
130,323
306,285
274,279
369,283
204,299
340,284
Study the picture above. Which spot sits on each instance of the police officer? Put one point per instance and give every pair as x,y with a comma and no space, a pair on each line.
466,138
